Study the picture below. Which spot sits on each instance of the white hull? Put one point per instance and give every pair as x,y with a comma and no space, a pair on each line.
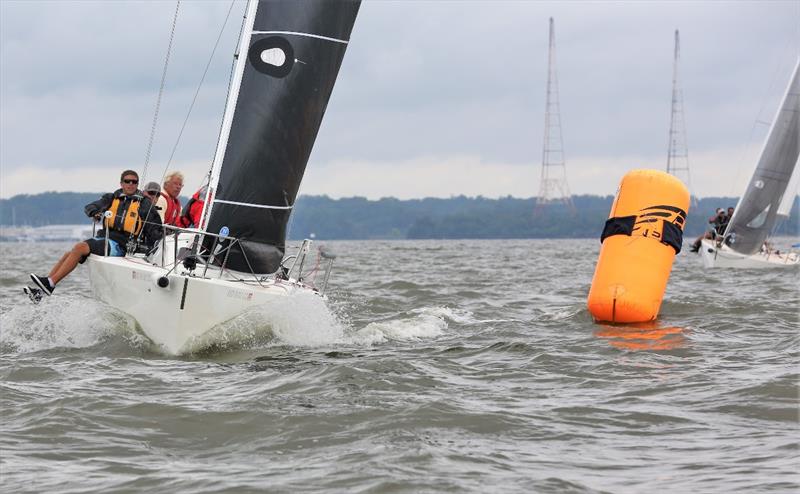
177,316
724,257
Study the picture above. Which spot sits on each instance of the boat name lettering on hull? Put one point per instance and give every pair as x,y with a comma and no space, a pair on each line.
240,295
137,275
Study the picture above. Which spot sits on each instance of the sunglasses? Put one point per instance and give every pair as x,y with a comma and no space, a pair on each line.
130,181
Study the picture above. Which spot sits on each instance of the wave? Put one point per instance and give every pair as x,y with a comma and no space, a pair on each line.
417,324
64,322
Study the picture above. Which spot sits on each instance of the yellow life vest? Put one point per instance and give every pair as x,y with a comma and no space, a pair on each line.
125,219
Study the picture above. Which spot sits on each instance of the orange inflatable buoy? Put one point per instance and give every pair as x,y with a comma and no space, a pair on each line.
642,235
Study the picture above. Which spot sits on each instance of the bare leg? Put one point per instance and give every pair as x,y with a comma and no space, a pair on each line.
68,261
59,263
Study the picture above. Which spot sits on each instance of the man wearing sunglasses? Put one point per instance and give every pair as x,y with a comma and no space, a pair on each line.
128,218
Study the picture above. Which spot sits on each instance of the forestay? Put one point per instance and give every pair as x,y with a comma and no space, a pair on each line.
289,55
757,210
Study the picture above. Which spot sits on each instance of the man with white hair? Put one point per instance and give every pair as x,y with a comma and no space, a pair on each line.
168,202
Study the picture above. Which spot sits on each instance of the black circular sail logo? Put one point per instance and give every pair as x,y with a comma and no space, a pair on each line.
272,56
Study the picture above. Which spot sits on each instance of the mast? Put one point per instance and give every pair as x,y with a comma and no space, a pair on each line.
288,59
553,186
678,152
230,106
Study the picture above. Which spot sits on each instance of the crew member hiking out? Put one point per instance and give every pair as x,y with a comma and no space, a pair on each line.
128,219
718,222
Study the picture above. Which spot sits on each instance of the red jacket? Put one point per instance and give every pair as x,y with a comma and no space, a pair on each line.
190,217
173,210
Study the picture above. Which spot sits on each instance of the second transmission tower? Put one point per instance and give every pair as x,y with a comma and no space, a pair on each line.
553,187
678,154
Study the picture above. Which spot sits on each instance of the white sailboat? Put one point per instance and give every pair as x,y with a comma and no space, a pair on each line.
290,54
744,243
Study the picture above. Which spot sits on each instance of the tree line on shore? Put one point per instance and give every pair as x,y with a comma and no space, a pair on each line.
389,218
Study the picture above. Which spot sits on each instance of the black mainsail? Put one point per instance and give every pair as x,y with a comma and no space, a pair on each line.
289,55
757,211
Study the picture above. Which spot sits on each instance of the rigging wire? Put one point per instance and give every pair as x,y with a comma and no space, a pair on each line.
236,52
194,99
745,156
199,86
205,213
160,91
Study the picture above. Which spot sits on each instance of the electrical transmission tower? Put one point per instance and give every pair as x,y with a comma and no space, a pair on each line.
553,187
678,154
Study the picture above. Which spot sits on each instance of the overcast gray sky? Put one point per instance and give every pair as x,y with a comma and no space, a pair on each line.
434,98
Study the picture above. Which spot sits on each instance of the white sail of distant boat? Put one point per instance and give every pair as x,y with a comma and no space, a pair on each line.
744,243
199,278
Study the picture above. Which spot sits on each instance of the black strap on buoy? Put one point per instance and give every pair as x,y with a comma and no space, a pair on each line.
622,225
672,235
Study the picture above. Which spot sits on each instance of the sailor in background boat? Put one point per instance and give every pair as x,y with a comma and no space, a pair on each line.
728,217
132,222
168,202
719,221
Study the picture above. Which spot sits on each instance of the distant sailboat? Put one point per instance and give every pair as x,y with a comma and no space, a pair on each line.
744,243
290,54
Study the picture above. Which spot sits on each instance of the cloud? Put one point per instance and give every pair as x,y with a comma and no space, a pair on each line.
722,172
36,179
425,88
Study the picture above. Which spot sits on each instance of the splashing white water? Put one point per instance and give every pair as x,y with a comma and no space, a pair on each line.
458,316
304,320
63,322
425,323
300,319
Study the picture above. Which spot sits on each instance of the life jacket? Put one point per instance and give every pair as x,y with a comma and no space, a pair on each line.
186,215
173,209
125,215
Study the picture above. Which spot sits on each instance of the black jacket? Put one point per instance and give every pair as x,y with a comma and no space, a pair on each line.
152,230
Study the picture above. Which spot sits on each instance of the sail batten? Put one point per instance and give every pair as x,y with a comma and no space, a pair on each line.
757,211
310,35
251,205
289,58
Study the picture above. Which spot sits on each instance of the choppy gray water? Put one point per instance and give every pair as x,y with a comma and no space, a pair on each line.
436,367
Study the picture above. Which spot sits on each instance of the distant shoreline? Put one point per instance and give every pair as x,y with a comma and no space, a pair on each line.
358,218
